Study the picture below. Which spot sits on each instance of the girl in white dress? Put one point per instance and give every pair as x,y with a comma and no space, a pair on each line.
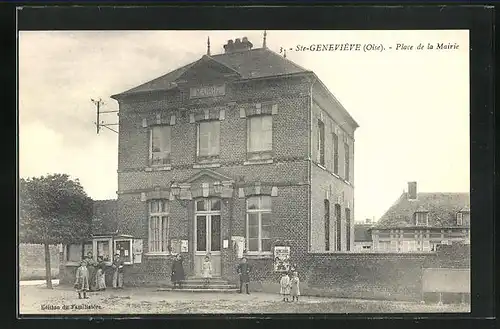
207,269
285,286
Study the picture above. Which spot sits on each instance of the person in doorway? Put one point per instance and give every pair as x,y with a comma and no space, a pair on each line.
207,269
82,280
101,274
92,268
285,286
118,272
244,270
295,286
177,276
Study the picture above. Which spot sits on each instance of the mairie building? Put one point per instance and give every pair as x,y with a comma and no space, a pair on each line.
235,154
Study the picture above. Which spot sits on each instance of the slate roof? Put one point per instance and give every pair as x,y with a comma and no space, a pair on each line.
250,64
362,232
105,219
442,209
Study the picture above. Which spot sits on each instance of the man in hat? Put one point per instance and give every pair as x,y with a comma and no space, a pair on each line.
243,270
118,272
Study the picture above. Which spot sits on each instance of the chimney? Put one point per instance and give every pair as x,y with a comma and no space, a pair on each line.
237,45
412,190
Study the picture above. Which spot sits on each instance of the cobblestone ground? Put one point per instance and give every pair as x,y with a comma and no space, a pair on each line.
63,300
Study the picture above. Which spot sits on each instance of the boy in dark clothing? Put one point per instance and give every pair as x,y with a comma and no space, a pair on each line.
243,270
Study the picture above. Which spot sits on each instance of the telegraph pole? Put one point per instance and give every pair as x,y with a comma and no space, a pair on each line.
99,124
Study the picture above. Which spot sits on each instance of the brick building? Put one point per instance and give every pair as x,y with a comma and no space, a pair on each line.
236,152
421,221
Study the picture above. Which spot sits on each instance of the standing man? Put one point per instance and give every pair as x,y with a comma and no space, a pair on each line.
118,272
92,269
244,270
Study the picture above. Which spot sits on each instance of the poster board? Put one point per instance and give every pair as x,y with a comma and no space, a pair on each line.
281,259
137,251
175,246
184,246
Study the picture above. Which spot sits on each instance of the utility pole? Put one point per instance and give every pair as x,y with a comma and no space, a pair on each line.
98,123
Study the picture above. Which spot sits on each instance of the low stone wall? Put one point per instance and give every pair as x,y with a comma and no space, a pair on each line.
394,276
32,261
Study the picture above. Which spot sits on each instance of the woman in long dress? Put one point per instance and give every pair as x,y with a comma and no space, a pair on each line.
295,286
82,280
101,275
177,276
285,286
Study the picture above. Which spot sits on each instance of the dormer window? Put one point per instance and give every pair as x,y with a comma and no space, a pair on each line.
421,218
460,221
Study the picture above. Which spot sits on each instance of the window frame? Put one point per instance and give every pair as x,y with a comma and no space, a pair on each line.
321,143
259,211
426,217
347,161
256,155
460,218
209,157
347,215
166,159
111,248
130,251
335,139
326,215
338,227
161,215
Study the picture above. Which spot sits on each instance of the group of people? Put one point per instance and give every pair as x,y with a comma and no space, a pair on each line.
91,274
290,286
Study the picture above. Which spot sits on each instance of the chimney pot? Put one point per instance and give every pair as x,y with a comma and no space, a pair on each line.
237,41
245,39
229,42
412,190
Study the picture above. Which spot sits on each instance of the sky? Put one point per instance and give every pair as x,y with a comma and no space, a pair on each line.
412,106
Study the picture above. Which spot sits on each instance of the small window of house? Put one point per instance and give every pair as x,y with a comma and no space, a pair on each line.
460,219
421,218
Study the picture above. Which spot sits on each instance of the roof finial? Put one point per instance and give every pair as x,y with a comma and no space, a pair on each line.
264,40
284,53
208,46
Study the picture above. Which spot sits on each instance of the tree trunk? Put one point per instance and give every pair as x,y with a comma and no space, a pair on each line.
48,274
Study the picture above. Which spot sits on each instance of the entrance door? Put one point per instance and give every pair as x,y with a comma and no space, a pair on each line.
207,229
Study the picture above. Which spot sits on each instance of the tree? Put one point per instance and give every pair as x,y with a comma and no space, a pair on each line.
53,209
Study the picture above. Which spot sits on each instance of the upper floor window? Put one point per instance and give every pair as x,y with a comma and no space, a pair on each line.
158,226
321,142
460,220
260,137
335,154
421,218
160,139
258,224
347,164
208,139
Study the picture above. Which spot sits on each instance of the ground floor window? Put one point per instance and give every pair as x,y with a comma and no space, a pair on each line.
258,224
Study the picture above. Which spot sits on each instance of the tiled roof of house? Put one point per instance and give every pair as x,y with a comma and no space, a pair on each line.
105,218
441,207
362,232
254,63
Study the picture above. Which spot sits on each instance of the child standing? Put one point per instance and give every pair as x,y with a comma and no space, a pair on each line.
285,286
295,286
82,280
207,269
101,275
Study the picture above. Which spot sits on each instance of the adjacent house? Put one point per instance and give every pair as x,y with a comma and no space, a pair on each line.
233,154
363,236
418,222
